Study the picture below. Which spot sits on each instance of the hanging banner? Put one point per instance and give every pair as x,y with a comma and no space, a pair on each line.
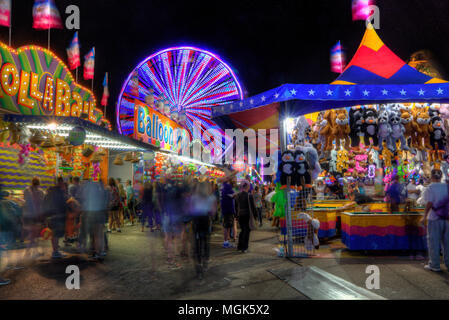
34,81
152,127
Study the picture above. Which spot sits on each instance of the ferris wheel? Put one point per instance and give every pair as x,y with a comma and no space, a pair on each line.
190,81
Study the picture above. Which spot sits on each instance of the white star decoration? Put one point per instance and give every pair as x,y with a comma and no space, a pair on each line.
366,93
348,92
276,95
385,92
293,92
403,92
311,92
421,92
329,92
440,91
251,101
263,98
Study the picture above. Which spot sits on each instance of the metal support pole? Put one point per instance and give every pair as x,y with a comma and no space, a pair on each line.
288,213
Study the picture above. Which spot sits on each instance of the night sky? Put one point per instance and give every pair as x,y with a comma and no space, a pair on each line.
266,43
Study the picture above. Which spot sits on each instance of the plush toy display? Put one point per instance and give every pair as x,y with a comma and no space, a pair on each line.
437,139
356,124
370,128
287,167
434,111
423,136
341,130
342,160
327,129
397,131
302,176
280,201
384,130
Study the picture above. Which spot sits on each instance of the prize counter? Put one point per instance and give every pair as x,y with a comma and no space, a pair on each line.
383,231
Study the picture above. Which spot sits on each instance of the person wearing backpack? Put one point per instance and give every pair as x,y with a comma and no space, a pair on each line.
437,218
114,206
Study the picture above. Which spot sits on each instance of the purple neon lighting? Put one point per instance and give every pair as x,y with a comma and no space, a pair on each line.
206,82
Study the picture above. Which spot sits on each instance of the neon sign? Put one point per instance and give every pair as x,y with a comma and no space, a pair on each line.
34,81
152,127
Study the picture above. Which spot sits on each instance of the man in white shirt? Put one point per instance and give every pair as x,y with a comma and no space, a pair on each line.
412,196
436,196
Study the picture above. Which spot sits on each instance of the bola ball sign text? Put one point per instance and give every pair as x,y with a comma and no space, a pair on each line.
77,136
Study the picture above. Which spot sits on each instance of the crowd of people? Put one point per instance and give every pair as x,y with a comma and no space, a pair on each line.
81,214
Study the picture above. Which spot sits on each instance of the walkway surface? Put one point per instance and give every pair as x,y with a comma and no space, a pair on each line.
126,272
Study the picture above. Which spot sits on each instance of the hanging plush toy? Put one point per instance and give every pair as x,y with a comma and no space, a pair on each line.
342,160
384,130
302,175
311,240
280,201
411,128
419,108
341,130
423,121
370,128
434,111
312,159
333,161
387,155
356,125
437,139
287,167
327,129
301,128
397,131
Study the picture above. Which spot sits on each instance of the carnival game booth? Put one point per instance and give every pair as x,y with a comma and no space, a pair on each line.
379,119
42,132
47,147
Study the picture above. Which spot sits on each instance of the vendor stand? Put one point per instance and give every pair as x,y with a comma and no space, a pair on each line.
383,231
374,91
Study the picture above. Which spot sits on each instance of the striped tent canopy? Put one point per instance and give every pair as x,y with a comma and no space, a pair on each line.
375,75
375,63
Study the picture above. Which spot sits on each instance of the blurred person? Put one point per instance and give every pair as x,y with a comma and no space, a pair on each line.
393,194
412,196
203,205
74,189
55,204
130,201
72,221
190,188
320,190
94,204
227,209
246,211
147,205
32,216
258,202
437,217
172,221
6,234
122,194
114,206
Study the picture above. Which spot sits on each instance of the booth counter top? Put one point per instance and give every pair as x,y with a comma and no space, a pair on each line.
383,231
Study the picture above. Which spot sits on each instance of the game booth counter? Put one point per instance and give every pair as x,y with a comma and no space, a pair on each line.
49,124
380,119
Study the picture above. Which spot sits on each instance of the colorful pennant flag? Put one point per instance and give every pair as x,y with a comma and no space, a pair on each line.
361,9
5,13
338,62
104,99
89,64
73,53
46,15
